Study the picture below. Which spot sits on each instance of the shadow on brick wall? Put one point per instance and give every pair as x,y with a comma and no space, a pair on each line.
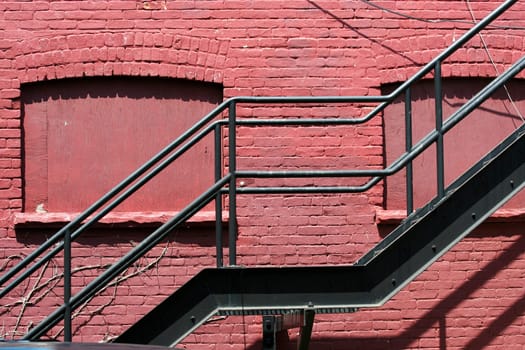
438,315
417,335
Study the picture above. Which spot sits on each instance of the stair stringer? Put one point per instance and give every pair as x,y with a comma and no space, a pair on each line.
419,241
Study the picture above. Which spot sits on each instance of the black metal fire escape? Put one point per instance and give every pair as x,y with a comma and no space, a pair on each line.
298,293
373,280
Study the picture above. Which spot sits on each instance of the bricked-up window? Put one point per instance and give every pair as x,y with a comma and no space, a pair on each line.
464,145
83,136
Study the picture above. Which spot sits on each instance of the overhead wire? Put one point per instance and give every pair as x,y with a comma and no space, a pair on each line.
426,20
473,21
489,55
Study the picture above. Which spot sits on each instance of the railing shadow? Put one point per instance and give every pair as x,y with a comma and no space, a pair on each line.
347,25
437,316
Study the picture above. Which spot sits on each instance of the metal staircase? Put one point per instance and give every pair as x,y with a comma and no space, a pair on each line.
424,236
419,241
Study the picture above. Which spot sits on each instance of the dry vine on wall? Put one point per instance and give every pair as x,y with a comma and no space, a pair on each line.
44,285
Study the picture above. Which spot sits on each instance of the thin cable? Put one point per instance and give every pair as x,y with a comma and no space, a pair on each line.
474,20
486,48
426,20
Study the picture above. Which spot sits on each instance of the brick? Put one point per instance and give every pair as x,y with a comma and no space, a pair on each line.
62,24
9,93
122,5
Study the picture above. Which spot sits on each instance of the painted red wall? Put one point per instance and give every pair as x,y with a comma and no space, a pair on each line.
472,298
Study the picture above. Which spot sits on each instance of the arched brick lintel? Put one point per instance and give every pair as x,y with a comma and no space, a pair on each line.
407,55
129,54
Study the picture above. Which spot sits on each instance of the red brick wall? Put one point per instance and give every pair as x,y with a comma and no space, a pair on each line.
472,298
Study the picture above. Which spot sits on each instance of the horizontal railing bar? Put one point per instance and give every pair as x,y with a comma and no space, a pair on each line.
309,173
308,189
307,99
327,99
299,121
298,190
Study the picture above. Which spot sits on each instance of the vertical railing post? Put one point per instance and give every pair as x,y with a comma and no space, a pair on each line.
218,196
67,286
408,148
440,167
232,220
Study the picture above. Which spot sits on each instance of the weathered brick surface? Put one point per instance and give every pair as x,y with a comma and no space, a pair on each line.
470,299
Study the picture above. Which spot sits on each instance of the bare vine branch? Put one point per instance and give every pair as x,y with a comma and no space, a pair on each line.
41,289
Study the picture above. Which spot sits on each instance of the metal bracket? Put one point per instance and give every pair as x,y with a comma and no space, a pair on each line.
269,329
274,324
305,332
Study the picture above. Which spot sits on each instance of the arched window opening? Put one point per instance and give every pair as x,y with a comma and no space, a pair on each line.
83,136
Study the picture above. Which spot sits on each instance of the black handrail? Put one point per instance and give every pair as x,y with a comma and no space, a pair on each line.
404,158
227,183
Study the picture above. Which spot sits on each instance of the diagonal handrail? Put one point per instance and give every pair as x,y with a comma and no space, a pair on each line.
227,183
